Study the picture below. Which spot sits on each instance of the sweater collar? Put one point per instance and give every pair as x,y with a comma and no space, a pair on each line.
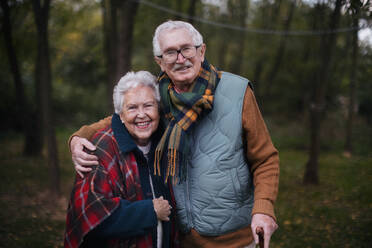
125,141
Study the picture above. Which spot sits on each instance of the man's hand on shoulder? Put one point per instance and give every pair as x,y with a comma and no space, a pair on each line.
268,225
80,158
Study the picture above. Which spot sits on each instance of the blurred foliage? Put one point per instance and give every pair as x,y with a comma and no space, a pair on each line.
334,214
78,61
78,64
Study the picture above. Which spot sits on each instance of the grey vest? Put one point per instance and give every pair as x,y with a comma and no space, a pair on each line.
217,197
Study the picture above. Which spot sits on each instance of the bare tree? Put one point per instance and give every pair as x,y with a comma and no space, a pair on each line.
318,105
280,50
118,18
241,11
191,10
270,14
126,14
178,9
44,88
355,15
30,127
111,49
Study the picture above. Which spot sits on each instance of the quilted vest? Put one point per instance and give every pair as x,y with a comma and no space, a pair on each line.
217,196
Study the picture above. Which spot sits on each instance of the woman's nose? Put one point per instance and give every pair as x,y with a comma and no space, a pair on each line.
141,112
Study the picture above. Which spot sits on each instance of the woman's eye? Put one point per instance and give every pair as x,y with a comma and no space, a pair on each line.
149,105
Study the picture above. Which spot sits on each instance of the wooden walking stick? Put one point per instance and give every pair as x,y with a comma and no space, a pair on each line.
260,233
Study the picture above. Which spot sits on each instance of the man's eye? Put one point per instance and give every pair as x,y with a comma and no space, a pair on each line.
186,49
170,53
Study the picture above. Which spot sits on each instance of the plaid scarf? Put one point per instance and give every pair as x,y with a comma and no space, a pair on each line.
183,111
97,195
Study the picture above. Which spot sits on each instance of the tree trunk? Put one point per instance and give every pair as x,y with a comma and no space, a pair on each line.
280,51
306,78
111,47
126,15
256,79
178,9
242,14
44,80
118,20
318,105
222,45
191,11
353,70
32,137
272,11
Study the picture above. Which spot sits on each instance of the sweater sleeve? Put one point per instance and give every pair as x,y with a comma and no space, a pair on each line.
129,219
262,156
87,131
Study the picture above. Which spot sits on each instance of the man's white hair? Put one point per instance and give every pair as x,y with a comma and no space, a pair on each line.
132,80
171,25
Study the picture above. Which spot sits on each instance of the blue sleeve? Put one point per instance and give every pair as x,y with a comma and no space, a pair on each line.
129,219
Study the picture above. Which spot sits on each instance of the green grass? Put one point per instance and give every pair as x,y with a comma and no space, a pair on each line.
30,216
335,213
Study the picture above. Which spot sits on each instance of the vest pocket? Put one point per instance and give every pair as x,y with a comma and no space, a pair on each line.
241,184
236,184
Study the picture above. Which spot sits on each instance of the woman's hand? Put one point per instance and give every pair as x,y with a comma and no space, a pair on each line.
162,208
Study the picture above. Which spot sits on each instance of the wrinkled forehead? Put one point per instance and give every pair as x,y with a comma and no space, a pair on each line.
175,37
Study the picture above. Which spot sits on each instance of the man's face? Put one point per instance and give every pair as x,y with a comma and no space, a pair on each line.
183,71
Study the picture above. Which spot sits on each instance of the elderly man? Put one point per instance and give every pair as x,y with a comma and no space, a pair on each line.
216,148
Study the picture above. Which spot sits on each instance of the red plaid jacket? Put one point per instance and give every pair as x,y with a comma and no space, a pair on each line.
98,194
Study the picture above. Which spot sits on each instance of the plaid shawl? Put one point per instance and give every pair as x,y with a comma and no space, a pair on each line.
183,110
96,196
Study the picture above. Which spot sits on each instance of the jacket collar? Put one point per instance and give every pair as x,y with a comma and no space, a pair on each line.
125,141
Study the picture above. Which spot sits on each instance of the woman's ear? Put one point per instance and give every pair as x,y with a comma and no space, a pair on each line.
121,118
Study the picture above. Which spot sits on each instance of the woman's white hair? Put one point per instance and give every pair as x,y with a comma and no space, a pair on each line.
170,25
130,81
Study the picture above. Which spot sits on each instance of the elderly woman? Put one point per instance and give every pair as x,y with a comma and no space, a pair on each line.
120,203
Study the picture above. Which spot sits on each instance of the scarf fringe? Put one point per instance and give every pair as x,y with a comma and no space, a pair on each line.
157,162
173,158
174,169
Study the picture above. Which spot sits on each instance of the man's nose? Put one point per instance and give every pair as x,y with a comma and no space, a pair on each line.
180,58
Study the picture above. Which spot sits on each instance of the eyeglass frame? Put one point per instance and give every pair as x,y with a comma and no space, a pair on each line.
179,51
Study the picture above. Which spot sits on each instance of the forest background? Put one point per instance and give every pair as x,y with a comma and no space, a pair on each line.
309,65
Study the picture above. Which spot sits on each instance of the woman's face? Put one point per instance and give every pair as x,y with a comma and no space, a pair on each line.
140,113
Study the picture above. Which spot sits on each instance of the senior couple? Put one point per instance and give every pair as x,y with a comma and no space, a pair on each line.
202,173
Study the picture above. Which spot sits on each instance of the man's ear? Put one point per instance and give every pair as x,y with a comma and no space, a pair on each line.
202,51
159,62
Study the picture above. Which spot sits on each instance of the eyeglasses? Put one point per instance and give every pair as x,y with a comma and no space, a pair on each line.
171,56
